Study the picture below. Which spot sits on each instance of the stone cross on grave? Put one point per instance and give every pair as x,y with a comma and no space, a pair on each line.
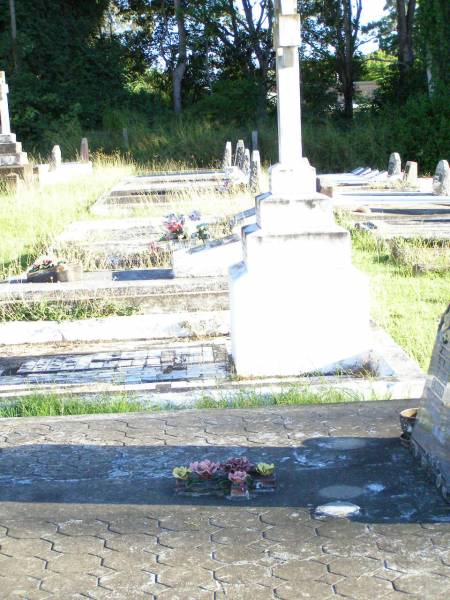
5,126
297,303
292,166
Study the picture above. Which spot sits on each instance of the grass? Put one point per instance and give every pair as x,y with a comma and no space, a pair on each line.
53,405
407,305
33,216
65,311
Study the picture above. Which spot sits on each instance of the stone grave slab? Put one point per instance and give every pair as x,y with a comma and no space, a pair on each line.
156,365
431,434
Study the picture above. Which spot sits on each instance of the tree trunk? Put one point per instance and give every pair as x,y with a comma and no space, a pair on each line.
12,11
405,23
180,69
348,83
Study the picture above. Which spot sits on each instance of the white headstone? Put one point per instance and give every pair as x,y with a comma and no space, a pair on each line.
411,173
395,164
84,150
441,181
228,156
56,158
5,125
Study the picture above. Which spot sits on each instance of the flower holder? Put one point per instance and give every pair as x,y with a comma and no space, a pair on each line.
235,479
68,272
42,276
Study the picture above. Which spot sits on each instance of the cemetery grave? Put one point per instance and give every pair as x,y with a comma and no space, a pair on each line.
161,187
176,504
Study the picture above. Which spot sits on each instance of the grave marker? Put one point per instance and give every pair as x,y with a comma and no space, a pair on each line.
12,160
84,150
239,156
4,110
441,180
431,434
56,157
255,172
411,173
228,156
395,164
297,304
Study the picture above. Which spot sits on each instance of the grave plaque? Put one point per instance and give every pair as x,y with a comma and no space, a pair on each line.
431,434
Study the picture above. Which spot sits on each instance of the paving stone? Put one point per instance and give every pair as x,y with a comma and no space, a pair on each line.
61,585
363,587
118,531
67,564
33,567
296,570
20,586
306,590
355,566
75,545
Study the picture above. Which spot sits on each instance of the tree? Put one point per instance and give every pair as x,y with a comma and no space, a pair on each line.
406,11
180,68
332,28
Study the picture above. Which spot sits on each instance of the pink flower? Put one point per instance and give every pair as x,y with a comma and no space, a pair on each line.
205,469
237,463
238,477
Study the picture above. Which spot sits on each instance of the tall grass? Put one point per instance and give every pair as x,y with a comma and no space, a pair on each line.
407,305
30,218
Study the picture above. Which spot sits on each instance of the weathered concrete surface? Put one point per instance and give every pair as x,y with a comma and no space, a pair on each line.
87,509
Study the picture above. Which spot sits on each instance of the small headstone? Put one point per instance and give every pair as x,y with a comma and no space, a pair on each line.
126,139
441,180
411,173
255,172
431,433
239,156
395,164
56,158
255,140
228,156
246,163
84,150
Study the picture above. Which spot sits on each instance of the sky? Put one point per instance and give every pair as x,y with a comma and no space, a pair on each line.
372,10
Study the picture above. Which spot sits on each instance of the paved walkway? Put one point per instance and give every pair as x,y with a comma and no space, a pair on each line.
87,509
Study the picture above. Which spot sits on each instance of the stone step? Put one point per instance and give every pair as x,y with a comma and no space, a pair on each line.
153,327
19,159
150,296
10,148
7,138
297,253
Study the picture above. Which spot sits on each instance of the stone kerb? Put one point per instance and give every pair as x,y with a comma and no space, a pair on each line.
441,180
431,434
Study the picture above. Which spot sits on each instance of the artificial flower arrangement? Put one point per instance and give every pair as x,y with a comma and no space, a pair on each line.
234,478
45,263
182,227
43,270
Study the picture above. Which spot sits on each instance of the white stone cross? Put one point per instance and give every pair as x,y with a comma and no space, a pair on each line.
5,126
286,43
